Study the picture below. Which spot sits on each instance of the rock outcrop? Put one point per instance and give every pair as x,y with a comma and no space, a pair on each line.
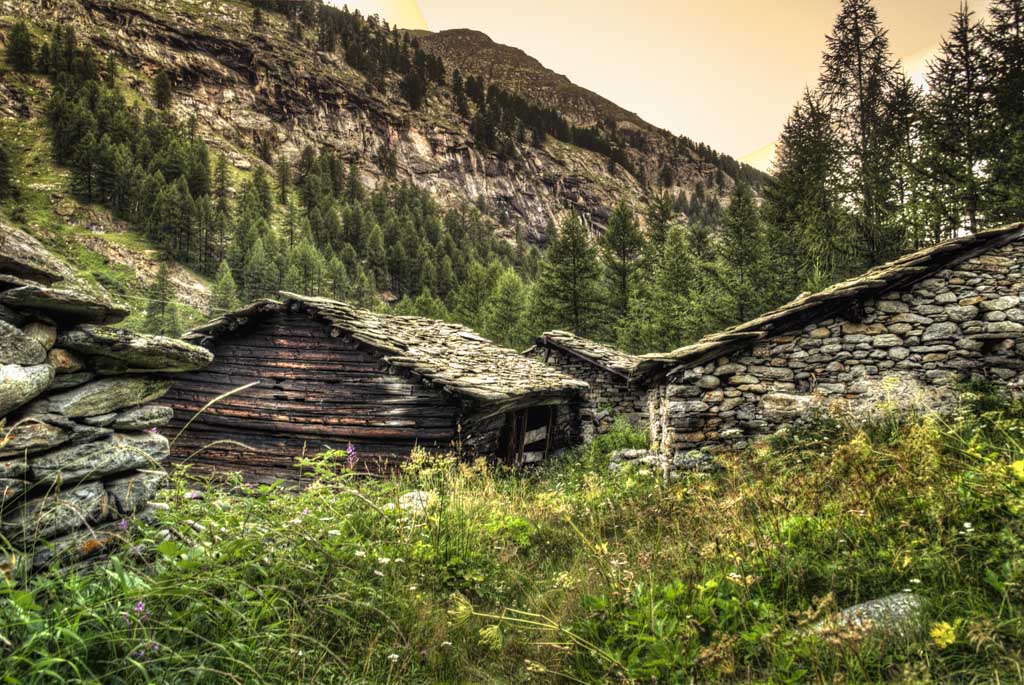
79,454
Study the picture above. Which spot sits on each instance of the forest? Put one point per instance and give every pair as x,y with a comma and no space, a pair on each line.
869,166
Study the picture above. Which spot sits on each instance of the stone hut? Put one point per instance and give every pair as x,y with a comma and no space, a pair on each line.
78,455
605,369
319,374
912,328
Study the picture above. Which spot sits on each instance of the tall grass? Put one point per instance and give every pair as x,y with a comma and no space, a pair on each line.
564,574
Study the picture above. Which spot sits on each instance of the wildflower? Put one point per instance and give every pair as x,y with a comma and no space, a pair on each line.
123,524
378,572
383,561
360,553
193,494
943,634
393,657
154,429
915,581
1017,468
334,532
140,607
351,453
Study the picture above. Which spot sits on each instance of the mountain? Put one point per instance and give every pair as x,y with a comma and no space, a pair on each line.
285,89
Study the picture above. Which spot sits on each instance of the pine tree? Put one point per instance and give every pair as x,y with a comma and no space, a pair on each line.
957,124
1005,43
224,294
264,195
739,266
6,171
858,75
284,179
660,215
674,278
622,247
20,49
162,90
503,312
260,275
567,285
161,310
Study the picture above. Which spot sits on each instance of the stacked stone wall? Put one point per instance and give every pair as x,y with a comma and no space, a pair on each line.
908,347
610,395
79,451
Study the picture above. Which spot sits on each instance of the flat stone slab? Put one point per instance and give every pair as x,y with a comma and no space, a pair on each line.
17,347
132,493
103,396
71,380
113,455
56,514
142,418
20,384
119,351
31,436
62,304
24,256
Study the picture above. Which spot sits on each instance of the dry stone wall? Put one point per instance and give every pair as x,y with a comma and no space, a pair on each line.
610,395
79,451
909,347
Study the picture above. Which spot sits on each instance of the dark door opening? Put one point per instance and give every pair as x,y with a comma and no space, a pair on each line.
526,436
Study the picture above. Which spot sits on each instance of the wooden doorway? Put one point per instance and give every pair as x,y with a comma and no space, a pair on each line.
527,434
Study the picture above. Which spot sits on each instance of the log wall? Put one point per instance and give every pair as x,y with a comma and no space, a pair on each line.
314,392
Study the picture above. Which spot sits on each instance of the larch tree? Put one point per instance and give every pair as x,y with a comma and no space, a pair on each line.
1005,44
622,248
568,281
224,293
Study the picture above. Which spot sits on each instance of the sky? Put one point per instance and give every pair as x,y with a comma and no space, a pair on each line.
722,72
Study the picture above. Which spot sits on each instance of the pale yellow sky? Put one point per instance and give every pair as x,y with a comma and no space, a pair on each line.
723,72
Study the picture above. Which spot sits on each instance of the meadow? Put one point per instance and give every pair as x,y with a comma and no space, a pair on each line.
567,573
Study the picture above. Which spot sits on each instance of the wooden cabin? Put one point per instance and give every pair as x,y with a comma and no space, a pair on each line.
604,369
325,375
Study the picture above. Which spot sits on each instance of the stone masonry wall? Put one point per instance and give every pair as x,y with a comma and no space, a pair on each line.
79,452
609,396
963,323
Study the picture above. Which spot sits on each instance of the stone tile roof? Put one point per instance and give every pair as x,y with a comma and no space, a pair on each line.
445,354
604,356
895,275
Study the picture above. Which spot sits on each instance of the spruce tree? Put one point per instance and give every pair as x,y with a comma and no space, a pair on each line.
284,179
224,294
858,75
957,124
622,247
567,285
739,267
660,215
20,49
161,311
162,90
1005,43
504,310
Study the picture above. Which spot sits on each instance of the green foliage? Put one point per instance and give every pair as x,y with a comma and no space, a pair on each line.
162,316
163,90
20,49
567,574
224,294
568,283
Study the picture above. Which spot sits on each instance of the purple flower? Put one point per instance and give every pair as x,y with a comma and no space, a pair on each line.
193,494
140,606
154,430
123,524
352,454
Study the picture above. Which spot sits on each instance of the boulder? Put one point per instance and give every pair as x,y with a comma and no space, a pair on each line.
103,396
19,384
64,305
119,351
10,316
113,455
56,513
31,436
131,493
894,618
141,418
17,347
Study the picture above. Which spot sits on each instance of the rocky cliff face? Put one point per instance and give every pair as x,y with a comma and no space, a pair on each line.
243,86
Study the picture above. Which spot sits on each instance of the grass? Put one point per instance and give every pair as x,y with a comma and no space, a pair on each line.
565,574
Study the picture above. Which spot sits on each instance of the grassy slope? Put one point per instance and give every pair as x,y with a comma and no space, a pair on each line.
569,575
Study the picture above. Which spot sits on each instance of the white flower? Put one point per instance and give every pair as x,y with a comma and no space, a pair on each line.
334,531
377,572
915,581
393,658
383,561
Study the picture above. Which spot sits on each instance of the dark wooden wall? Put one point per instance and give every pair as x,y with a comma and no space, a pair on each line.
315,392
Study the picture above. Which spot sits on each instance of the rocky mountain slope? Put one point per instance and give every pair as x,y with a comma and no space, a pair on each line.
247,84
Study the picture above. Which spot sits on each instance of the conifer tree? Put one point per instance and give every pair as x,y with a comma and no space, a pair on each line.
284,179
622,247
162,90
504,310
739,265
1005,43
260,274
20,49
224,294
161,310
957,124
660,215
567,285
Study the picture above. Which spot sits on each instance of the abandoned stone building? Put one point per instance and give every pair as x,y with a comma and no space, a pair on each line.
605,369
318,374
923,323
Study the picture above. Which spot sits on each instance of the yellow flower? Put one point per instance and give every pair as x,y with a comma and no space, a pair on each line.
1018,468
943,634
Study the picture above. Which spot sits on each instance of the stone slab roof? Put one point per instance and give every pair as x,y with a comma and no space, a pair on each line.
604,356
447,355
896,275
